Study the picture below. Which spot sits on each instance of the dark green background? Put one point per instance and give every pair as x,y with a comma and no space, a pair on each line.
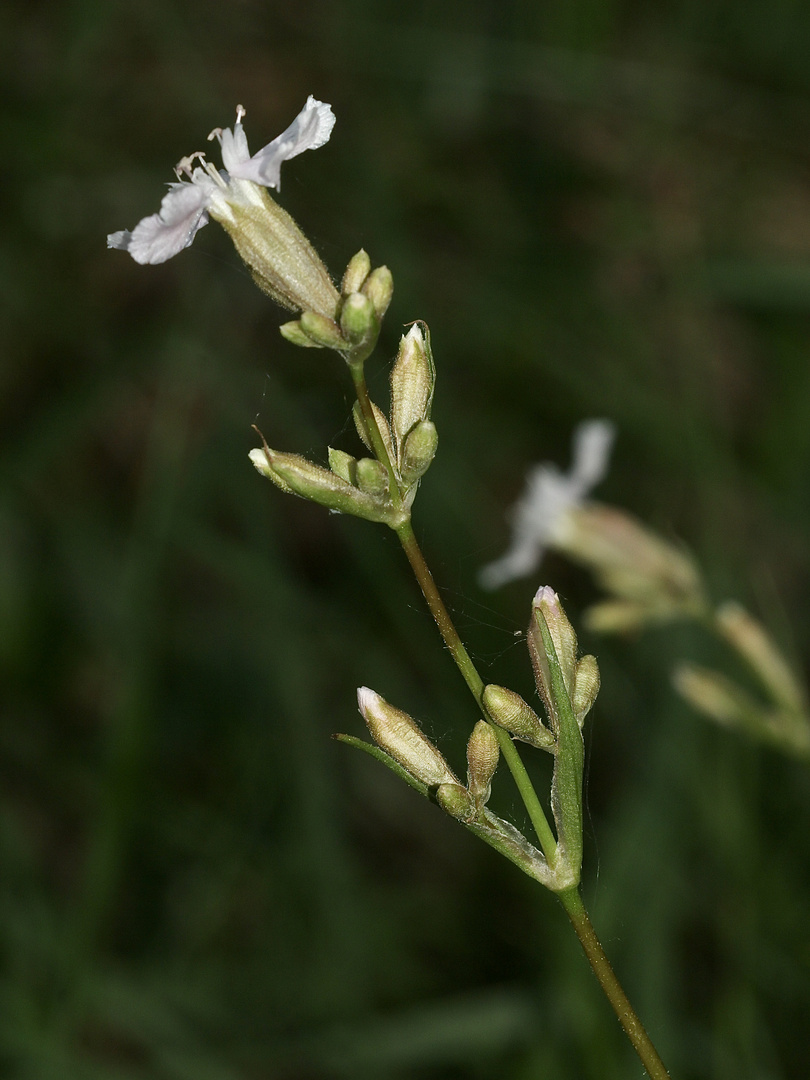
601,209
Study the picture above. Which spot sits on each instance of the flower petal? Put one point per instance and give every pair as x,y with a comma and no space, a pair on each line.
593,440
310,129
160,236
548,497
234,146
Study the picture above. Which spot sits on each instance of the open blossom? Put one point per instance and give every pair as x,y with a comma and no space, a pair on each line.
282,260
549,496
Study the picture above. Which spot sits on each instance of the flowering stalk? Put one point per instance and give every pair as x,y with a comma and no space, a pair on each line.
382,489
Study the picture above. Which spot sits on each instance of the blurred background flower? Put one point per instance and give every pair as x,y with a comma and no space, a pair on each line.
600,209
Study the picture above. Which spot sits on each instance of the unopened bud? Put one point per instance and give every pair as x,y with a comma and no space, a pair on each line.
356,273
456,801
343,465
295,335
382,427
400,736
412,380
482,761
324,332
379,288
586,687
295,475
508,710
419,451
358,320
546,605
756,645
372,476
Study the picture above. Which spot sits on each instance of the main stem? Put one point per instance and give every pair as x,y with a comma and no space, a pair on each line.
592,947
474,681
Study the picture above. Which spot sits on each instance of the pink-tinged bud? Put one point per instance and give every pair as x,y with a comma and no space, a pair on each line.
546,604
482,761
400,736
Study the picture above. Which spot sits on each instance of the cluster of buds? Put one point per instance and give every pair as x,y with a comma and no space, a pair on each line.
381,488
784,721
568,687
353,326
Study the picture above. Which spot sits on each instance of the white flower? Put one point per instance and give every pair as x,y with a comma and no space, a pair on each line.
185,209
549,495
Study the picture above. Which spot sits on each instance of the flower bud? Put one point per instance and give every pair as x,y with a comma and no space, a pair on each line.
295,335
419,451
358,320
399,735
508,710
356,273
295,475
546,604
456,801
382,427
482,761
379,288
586,687
372,476
324,332
412,379
343,465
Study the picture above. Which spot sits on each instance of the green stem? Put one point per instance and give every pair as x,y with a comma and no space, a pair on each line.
476,684
612,988
439,612
377,442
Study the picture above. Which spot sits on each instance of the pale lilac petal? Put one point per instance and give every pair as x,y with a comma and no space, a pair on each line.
593,440
310,129
548,497
524,555
160,236
234,148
